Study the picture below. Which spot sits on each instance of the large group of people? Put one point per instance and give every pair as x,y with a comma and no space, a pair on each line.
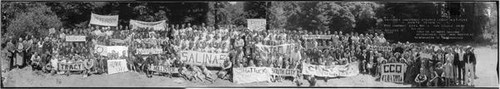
428,64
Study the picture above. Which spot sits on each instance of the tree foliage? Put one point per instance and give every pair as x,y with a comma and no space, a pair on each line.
322,15
34,18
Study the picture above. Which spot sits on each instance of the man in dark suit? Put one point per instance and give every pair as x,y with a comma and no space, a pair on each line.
457,64
470,57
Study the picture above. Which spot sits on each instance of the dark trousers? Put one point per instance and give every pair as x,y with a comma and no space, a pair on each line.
460,74
362,66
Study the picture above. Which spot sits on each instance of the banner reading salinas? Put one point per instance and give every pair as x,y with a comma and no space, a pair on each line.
204,58
103,20
158,25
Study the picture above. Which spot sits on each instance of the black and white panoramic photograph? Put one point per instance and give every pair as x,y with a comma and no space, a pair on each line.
250,44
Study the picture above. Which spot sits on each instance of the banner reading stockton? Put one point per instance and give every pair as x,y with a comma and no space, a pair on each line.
104,20
350,69
204,58
158,25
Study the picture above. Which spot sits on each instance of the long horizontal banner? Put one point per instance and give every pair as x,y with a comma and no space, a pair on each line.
256,24
284,72
163,69
158,25
104,20
350,69
112,51
150,41
149,51
380,48
426,55
284,48
316,36
251,74
120,41
80,66
75,38
393,72
204,58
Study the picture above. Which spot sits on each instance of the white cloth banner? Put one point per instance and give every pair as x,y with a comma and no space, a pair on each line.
74,38
350,69
117,66
111,51
158,25
287,49
316,36
251,74
204,58
149,51
104,20
256,24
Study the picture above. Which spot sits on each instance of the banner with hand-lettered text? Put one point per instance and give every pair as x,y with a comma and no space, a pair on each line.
316,36
286,49
103,20
350,69
251,74
256,24
163,69
380,48
117,66
284,72
393,72
204,58
158,25
149,51
111,51
74,38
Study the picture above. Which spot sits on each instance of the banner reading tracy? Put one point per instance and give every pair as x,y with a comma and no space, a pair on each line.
350,69
103,20
393,72
251,74
204,58
158,25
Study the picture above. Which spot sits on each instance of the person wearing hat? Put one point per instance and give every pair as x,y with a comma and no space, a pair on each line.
461,64
470,61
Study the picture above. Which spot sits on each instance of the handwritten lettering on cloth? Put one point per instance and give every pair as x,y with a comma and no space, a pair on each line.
204,58
158,25
103,20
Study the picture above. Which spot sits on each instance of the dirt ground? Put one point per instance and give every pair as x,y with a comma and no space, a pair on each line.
487,64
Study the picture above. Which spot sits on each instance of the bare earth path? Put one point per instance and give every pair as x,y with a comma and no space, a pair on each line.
487,61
